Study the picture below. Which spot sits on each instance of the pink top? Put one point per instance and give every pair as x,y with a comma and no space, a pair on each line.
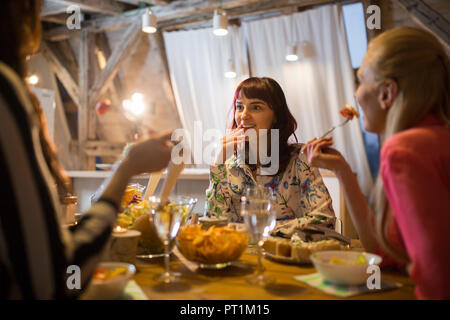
415,168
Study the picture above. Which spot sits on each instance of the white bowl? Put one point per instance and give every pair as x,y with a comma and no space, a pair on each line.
344,274
112,288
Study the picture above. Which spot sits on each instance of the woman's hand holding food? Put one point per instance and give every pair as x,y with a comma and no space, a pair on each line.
230,144
320,154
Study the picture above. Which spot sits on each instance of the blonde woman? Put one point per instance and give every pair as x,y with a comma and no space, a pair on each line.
404,94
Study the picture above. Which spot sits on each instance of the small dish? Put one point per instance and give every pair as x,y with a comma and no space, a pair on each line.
109,289
344,267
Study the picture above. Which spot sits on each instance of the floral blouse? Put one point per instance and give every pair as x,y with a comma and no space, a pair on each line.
299,190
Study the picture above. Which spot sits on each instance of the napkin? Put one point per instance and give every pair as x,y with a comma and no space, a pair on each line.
316,280
133,292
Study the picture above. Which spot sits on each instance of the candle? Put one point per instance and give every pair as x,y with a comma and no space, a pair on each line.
119,229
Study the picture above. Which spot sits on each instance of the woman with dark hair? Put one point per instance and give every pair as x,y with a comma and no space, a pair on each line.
261,115
35,251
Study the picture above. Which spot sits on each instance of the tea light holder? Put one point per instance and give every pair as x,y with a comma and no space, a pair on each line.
122,246
119,229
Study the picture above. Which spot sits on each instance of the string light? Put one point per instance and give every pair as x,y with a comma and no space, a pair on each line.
33,79
136,105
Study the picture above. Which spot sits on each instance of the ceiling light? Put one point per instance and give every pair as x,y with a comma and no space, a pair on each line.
292,53
148,22
230,71
220,23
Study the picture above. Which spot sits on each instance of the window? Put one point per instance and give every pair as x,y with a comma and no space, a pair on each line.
355,27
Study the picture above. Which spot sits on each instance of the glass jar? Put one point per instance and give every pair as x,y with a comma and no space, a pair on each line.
69,204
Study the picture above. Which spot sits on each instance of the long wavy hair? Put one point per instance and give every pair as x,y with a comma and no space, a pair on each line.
20,34
417,61
269,91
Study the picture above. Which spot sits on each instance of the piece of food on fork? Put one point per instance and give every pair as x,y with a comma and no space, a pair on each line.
349,112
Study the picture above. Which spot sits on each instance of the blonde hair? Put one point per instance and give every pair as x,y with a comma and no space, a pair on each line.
418,63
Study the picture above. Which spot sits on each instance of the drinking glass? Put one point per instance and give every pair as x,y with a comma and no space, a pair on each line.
258,210
167,219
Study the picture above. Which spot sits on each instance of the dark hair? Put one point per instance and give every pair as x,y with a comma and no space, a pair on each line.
270,91
15,17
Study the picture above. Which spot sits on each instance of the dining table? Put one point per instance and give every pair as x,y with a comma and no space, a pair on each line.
230,284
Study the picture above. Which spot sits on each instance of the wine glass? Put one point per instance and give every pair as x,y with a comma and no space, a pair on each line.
167,219
258,210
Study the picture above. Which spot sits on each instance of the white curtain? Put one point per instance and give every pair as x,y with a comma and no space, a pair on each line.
197,62
318,84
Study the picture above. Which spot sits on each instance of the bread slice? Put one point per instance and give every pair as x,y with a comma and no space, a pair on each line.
283,249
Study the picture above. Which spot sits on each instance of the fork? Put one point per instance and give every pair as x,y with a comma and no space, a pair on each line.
332,128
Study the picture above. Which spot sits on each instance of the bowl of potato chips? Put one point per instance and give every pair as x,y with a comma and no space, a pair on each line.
214,248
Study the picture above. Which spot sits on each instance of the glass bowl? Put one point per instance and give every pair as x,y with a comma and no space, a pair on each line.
214,248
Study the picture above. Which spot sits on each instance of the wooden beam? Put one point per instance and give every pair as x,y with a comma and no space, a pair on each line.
428,18
182,12
94,71
152,2
126,44
103,148
50,8
61,72
115,89
58,18
176,9
100,6
84,99
68,57
251,12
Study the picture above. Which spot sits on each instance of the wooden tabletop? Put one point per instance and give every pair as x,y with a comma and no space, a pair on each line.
229,283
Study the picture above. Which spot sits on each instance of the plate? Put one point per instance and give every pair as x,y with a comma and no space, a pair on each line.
216,266
286,260
151,256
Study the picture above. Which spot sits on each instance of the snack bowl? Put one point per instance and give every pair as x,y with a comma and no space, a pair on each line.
214,248
344,267
109,281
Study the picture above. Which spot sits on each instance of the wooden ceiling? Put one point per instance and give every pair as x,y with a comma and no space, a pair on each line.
101,15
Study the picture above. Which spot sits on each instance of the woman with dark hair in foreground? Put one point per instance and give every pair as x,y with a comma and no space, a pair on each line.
35,251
